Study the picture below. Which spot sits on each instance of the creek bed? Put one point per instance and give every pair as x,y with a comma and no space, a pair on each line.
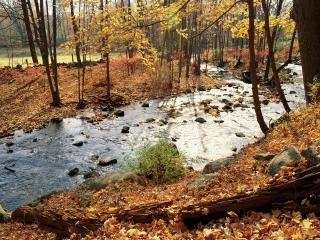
41,159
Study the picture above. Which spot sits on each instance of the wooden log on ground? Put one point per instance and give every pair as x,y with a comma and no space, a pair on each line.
301,186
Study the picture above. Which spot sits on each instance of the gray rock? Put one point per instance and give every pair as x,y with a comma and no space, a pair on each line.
125,129
103,181
77,143
107,162
91,174
73,172
265,101
9,144
312,153
202,88
119,113
200,120
145,104
200,182
4,216
264,156
216,165
283,159
150,120
188,90
239,134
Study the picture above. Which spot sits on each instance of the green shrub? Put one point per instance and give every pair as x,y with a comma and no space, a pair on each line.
315,88
161,161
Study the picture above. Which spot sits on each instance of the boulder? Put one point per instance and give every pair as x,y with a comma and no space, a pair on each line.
91,174
125,129
200,182
246,77
285,158
107,162
56,120
4,216
73,172
150,120
202,88
227,107
119,113
188,90
216,165
9,144
113,178
240,134
200,120
77,143
145,104
264,156
312,153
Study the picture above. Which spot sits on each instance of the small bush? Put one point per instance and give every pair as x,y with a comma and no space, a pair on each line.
161,161
315,88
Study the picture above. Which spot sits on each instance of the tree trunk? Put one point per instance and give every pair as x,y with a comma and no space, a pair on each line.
29,31
272,60
307,16
75,32
253,73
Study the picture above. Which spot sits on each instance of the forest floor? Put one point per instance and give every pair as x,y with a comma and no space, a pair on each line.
299,128
25,98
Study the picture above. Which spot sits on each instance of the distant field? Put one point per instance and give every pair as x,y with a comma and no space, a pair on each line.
20,55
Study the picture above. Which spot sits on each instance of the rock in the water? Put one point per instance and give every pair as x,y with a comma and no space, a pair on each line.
246,77
312,153
202,88
283,159
219,121
200,120
10,151
119,113
264,156
150,120
234,149
35,140
145,104
188,90
239,134
103,181
4,216
56,120
125,129
200,182
216,165
265,102
107,162
72,172
9,144
91,175
292,92
227,107
77,143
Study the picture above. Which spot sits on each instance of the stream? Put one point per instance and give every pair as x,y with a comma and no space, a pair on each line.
39,161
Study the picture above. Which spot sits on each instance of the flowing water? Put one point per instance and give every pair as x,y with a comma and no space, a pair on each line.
41,159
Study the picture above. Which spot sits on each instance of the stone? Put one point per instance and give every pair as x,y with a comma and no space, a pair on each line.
240,134
200,120
150,120
35,140
246,77
77,143
107,162
4,216
265,102
125,129
202,88
312,153
73,172
285,158
9,144
200,182
292,92
119,113
234,149
227,107
188,90
216,165
91,174
264,156
237,105
10,151
56,120
218,121
107,108
145,104
113,178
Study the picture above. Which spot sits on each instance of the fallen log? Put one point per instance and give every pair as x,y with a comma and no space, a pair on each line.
301,186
